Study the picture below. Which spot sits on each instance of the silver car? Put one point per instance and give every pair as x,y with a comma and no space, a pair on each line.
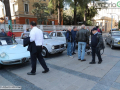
113,39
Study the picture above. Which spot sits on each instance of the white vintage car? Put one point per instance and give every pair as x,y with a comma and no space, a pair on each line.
11,52
59,35
50,45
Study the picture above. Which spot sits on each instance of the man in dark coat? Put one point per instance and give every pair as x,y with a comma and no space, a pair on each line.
74,31
97,44
69,42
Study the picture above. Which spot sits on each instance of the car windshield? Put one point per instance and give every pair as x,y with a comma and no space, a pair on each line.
46,36
6,41
116,33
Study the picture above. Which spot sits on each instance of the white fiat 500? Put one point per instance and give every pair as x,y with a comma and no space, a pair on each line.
50,45
11,52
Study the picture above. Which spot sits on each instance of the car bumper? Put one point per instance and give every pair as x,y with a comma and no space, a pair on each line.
116,45
17,61
57,50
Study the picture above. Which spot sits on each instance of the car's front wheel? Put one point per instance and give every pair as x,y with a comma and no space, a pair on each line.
44,52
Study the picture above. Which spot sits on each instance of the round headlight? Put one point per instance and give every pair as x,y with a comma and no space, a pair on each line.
115,40
53,47
2,55
64,45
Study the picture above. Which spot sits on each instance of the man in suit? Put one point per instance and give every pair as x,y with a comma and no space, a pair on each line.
36,36
97,44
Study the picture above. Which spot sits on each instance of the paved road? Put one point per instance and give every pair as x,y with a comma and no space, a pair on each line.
67,74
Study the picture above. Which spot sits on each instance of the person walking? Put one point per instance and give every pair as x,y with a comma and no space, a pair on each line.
36,36
3,33
97,44
69,39
82,37
74,31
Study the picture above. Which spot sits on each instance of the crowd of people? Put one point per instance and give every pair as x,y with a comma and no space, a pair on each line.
81,37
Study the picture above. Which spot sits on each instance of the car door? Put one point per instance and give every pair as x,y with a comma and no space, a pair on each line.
61,37
53,35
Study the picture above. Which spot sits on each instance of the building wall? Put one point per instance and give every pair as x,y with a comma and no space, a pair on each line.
19,15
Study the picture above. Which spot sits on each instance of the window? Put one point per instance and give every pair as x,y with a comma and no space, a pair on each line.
26,8
53,34
59,34
44,0
27,21
14,21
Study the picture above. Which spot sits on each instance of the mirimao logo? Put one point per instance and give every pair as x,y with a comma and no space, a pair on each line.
102,4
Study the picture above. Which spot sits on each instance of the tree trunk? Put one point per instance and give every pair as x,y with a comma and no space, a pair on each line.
75,9
7,8
59,13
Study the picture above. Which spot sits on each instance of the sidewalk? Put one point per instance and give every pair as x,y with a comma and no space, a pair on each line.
69,74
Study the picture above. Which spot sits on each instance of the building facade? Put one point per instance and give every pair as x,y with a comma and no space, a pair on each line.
21,12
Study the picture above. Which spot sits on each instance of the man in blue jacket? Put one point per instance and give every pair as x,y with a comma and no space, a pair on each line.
69,42
74,31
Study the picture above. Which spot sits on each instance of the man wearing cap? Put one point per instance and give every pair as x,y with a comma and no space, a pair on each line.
97,44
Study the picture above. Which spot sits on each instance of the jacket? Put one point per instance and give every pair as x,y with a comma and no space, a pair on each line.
3,34
100,44
74,35
31,45
10,33
82,36
69,37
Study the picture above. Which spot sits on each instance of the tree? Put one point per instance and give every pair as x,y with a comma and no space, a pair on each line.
40,11
57,6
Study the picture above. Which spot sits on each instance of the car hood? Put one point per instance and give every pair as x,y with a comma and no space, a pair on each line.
116,37
13,49
53,42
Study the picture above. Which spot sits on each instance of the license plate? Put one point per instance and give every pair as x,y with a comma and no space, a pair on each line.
118,42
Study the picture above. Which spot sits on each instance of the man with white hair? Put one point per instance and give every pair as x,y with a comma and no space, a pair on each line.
82,37
69,42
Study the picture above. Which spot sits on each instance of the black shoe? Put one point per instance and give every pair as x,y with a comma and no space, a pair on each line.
29,73
74,52
99,62
92,63
45,71
83,60
79,59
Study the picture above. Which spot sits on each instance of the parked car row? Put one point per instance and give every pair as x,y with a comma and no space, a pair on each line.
55,42
50,45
